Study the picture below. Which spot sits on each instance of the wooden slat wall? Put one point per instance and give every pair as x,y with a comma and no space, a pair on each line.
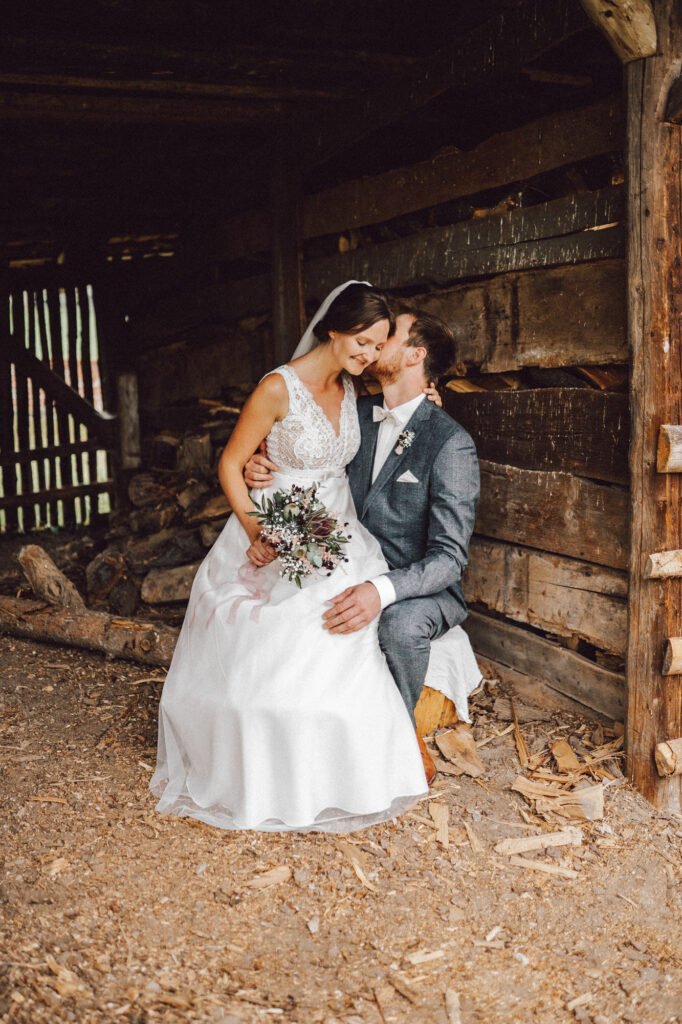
539,286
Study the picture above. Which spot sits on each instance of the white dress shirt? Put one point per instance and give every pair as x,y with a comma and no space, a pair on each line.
390,430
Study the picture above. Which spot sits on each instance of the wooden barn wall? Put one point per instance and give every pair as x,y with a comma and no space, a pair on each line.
535,293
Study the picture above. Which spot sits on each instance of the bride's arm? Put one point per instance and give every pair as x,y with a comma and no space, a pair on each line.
268,403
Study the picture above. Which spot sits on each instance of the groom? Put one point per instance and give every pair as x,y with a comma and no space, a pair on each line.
415,484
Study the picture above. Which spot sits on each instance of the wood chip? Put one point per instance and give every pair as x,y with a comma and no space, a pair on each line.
537,865
358,863
521,748
423,956
566,837
458,746
453,1007
272,877
403,988
441,817
476,844
565,756
582,1000
47,799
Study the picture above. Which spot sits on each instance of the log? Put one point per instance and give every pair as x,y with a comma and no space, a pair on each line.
128,420
655,337
521,239
562,138
555,512
163,550
669,449
629,26
561,595
669,757
663,565
672,659
584,432
109,583
144,489
149,643
195,455
162,586
559,669
47,581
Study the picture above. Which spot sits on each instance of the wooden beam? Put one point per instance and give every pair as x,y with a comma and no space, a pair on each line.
573,315
560,669
554,512
288,309
560,595
662,565
536,236
669,449
561,138
143,109
100,423
655,334
503,45
128,419
629,26
569,429
669,757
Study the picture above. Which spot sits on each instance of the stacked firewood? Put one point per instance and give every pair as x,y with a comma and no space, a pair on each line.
176,511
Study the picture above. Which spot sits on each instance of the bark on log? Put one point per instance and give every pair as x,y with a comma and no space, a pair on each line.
47,581
165,585
149,643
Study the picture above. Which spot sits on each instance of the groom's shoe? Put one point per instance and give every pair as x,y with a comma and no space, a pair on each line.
430,769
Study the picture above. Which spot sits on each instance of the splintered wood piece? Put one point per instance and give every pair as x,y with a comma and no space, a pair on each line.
585,804
433,711
476,844
47,581
441,817
538,865
565,756
669,451
274,876
663,565
669,757
521,748
358,862
453,1007
459,747
524,712
672,659
629,26
570,836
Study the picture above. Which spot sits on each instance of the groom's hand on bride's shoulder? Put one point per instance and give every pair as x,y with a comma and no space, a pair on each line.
259,469
353,609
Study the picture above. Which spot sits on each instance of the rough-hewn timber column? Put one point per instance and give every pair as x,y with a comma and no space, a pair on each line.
287,279
655,326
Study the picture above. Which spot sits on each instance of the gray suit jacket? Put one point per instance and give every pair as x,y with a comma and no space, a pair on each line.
423,529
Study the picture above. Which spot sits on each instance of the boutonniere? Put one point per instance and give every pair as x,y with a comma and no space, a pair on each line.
405,439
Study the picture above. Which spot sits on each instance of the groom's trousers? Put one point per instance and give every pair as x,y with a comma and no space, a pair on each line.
406,630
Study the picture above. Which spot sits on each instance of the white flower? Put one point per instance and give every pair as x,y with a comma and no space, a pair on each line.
404,441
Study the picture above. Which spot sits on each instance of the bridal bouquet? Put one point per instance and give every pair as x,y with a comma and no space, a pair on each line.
306,537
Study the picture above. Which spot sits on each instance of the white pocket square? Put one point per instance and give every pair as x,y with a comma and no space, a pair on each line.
407,478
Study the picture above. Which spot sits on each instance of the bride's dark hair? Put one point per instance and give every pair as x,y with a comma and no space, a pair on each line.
355,309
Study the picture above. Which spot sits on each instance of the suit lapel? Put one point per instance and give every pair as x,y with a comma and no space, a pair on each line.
416,422
369,434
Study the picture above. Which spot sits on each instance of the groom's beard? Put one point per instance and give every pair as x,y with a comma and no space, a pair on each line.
386,371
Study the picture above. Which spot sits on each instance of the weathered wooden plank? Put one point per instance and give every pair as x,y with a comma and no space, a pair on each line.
536,236
503,44
569,429
629,26
54,493
562,138
65,467
655,329
560,669
561,595
50,452
555,512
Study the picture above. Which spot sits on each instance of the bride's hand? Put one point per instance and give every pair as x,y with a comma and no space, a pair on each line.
261,553
431,393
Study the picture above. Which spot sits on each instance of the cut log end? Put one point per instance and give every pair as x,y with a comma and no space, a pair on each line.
669,758
669,450
663,565
47,581
672,658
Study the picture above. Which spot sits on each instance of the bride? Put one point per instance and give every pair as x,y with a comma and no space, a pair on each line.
267,721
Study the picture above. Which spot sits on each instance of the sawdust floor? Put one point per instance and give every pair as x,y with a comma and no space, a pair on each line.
112,913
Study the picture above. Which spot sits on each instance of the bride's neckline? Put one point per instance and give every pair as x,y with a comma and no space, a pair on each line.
311,396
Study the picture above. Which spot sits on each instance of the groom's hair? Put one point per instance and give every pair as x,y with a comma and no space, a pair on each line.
356,308
433,334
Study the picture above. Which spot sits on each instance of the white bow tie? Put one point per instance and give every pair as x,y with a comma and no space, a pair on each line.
379,415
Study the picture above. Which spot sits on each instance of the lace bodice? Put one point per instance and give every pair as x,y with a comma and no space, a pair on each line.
305,438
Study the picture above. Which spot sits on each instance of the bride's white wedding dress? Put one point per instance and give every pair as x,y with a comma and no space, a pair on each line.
266,720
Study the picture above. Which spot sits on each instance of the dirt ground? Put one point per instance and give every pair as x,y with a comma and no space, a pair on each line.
110,912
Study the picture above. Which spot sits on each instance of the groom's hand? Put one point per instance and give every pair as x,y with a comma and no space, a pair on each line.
259,469
355,608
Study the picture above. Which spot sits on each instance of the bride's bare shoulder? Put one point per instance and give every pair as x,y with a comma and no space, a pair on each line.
271,392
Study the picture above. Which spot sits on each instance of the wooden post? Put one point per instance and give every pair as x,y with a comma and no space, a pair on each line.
288,310
655,334
128,419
